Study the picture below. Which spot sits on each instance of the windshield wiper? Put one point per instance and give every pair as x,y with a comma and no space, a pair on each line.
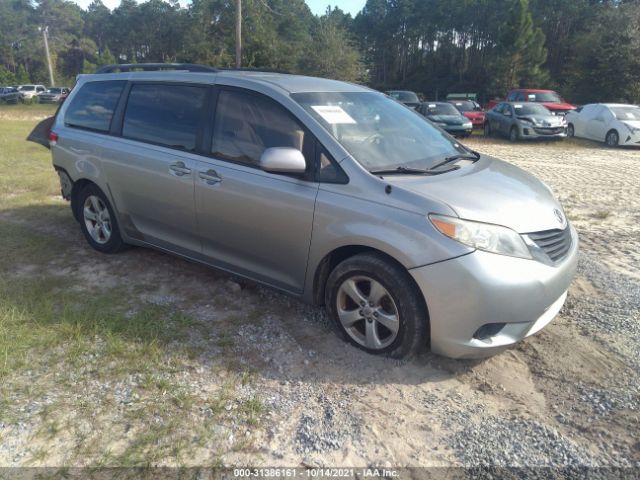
472,155
401,170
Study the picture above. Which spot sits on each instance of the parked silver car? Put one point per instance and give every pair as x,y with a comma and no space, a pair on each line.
325,190
9,95
524,121
53,95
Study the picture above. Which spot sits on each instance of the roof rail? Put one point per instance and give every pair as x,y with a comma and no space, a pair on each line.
128,67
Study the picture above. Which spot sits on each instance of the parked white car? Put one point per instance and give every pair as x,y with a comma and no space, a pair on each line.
30,91
612,123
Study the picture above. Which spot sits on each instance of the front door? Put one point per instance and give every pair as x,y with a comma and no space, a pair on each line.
255,223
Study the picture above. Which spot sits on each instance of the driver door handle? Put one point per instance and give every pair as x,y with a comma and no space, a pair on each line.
211,177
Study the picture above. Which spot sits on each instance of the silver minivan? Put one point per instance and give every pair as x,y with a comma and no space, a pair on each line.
325,190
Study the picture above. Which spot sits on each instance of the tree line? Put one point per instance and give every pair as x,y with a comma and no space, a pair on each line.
589,50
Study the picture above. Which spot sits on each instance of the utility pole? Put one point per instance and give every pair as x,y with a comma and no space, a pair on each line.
238,33
45,34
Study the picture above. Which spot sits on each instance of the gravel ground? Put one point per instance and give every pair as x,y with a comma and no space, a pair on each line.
568,397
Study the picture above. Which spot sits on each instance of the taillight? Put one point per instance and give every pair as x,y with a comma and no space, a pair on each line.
53,138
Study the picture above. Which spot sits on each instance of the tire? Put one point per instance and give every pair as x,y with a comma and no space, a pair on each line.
570,131
395,323
94,210
612,139
514,136
487,129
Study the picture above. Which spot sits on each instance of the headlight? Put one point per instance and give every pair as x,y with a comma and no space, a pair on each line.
467,125
483,236
632,129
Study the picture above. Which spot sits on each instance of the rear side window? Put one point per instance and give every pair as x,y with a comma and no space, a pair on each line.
93,106
168,115
246,125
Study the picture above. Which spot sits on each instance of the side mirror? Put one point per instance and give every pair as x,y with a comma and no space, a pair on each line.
283,160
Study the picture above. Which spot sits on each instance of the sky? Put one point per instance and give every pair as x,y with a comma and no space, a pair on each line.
317,6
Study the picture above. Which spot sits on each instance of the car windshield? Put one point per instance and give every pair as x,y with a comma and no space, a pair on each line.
54,90
550,97
626,113
28,88
441,109
466,106
530,109
403,96
379,133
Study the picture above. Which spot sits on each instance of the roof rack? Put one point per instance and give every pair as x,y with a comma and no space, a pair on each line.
128,67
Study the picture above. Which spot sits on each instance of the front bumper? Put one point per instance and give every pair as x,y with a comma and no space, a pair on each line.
537,132
466,293
457,129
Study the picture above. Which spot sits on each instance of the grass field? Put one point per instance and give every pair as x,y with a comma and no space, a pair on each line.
87,359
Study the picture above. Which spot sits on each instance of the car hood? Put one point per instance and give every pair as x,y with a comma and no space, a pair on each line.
448,119
558,106
544,120
490,191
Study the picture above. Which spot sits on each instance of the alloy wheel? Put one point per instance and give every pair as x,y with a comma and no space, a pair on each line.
612,139
97,219
367,312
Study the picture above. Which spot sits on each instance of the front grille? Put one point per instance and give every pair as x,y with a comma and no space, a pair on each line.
554,243
549,131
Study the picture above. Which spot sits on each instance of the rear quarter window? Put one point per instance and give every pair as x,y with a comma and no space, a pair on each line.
93,106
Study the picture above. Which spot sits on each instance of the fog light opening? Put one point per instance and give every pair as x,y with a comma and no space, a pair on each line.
488,330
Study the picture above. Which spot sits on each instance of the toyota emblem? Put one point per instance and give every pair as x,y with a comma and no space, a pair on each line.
558,215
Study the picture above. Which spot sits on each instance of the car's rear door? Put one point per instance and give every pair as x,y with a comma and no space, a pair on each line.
150,162
252,222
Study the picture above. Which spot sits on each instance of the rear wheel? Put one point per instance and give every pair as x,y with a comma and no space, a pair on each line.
98,221
612,139
570,131
376,306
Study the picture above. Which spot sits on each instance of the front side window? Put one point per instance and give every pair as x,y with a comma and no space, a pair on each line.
167,115
246,125
93,106
377,131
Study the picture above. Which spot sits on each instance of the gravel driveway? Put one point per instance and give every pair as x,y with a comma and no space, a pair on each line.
568,396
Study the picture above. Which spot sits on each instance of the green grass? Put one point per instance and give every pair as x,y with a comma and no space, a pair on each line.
60,337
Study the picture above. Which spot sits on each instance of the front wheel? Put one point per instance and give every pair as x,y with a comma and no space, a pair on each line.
487,129
376,306
570,131
513,134
612,139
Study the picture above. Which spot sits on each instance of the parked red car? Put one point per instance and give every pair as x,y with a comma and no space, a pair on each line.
470,109
550,99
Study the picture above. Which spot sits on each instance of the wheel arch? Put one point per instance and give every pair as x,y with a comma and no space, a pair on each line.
338,255
612,130
78,186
